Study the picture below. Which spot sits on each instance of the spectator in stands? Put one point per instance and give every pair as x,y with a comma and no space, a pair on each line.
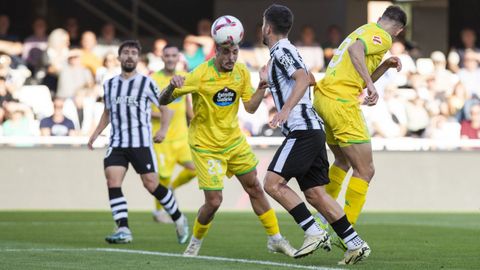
417,117
470,129
15,75
5,98
107,42
55,58
334,38
310,50
402,77
142,65
267,130
89,59
71,25
35,45
110,68
453,61
469,39
20,122
204,27
75,83
57,124
196,49
457,99
470,74
445,80
4,27
444,130
155,61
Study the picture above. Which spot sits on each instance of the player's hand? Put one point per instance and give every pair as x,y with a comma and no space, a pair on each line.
177,81
159,136
280,118
91,141
311,79
263,73
372,97
394,62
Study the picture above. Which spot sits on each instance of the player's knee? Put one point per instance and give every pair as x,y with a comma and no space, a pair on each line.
214,202
150,183
271,187
315,195
254,190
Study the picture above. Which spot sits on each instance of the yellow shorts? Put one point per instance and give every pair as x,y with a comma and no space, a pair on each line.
212,167
344,121
171,153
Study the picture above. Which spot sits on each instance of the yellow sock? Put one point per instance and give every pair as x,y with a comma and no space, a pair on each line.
270,222
183,177
336,176
200,230
164,182
355,198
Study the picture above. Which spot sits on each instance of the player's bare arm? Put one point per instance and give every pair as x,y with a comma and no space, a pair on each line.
104,121
252,105
357,56
392,62
166,95
302,82
166,117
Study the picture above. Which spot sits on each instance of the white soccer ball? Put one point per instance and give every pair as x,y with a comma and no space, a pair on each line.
227,29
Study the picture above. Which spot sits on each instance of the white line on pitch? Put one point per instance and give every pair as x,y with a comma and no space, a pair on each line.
165,254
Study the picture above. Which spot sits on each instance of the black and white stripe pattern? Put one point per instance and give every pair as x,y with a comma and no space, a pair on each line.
119,209
128,102
285,60
282,158
169,203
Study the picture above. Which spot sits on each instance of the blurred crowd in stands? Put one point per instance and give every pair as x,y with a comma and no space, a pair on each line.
50,82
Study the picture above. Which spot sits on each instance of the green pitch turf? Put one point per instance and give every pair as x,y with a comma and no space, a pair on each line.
74,240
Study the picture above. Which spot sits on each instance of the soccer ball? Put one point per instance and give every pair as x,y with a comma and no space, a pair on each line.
227,29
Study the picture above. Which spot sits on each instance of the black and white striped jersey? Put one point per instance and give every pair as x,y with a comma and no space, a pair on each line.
285,60
128,103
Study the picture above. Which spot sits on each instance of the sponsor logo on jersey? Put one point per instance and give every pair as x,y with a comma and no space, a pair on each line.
377,40
225,97
286,60
129,100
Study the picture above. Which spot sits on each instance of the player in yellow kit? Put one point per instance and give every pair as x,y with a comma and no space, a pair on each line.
355,65
172,142
218,146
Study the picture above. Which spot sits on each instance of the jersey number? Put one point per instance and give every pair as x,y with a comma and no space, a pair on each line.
337,57
214,166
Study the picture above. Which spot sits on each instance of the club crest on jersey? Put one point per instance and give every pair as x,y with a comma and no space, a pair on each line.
377,40
225,97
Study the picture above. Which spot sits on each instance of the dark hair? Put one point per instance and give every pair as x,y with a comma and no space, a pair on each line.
130,43
280,18
168,46
395,13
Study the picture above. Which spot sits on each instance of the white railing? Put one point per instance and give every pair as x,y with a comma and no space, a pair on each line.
378,144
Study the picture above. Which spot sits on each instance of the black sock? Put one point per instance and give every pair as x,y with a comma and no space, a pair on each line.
118,204
167,200
302,216
344,229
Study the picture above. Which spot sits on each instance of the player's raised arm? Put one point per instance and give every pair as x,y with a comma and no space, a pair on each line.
392,62
357,56
252,105
165,118
166,96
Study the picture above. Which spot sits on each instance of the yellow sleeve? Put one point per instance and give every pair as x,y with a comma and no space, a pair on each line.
190,85
247,91
375,42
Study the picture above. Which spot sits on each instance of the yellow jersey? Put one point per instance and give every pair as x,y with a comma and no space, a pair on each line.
342,81
216,97
178,125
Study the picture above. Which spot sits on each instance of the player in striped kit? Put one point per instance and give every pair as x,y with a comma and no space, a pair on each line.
303,153
127,109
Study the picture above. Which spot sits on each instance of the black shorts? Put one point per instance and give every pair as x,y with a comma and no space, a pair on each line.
302,155
142,158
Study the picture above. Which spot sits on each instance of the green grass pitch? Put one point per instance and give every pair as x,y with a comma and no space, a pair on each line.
74,240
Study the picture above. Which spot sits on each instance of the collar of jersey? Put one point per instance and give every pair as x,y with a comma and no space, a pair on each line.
123,79
283,40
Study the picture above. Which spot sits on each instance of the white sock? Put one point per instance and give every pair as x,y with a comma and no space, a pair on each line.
275,237
355,243
314,229
180,220
195,240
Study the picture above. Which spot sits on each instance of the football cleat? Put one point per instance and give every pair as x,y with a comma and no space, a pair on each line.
281,246
356,255
312,243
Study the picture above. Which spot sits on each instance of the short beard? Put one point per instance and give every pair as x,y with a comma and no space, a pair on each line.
128,69
264,41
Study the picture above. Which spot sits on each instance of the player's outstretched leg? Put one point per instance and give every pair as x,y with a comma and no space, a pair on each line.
118,204
276,242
